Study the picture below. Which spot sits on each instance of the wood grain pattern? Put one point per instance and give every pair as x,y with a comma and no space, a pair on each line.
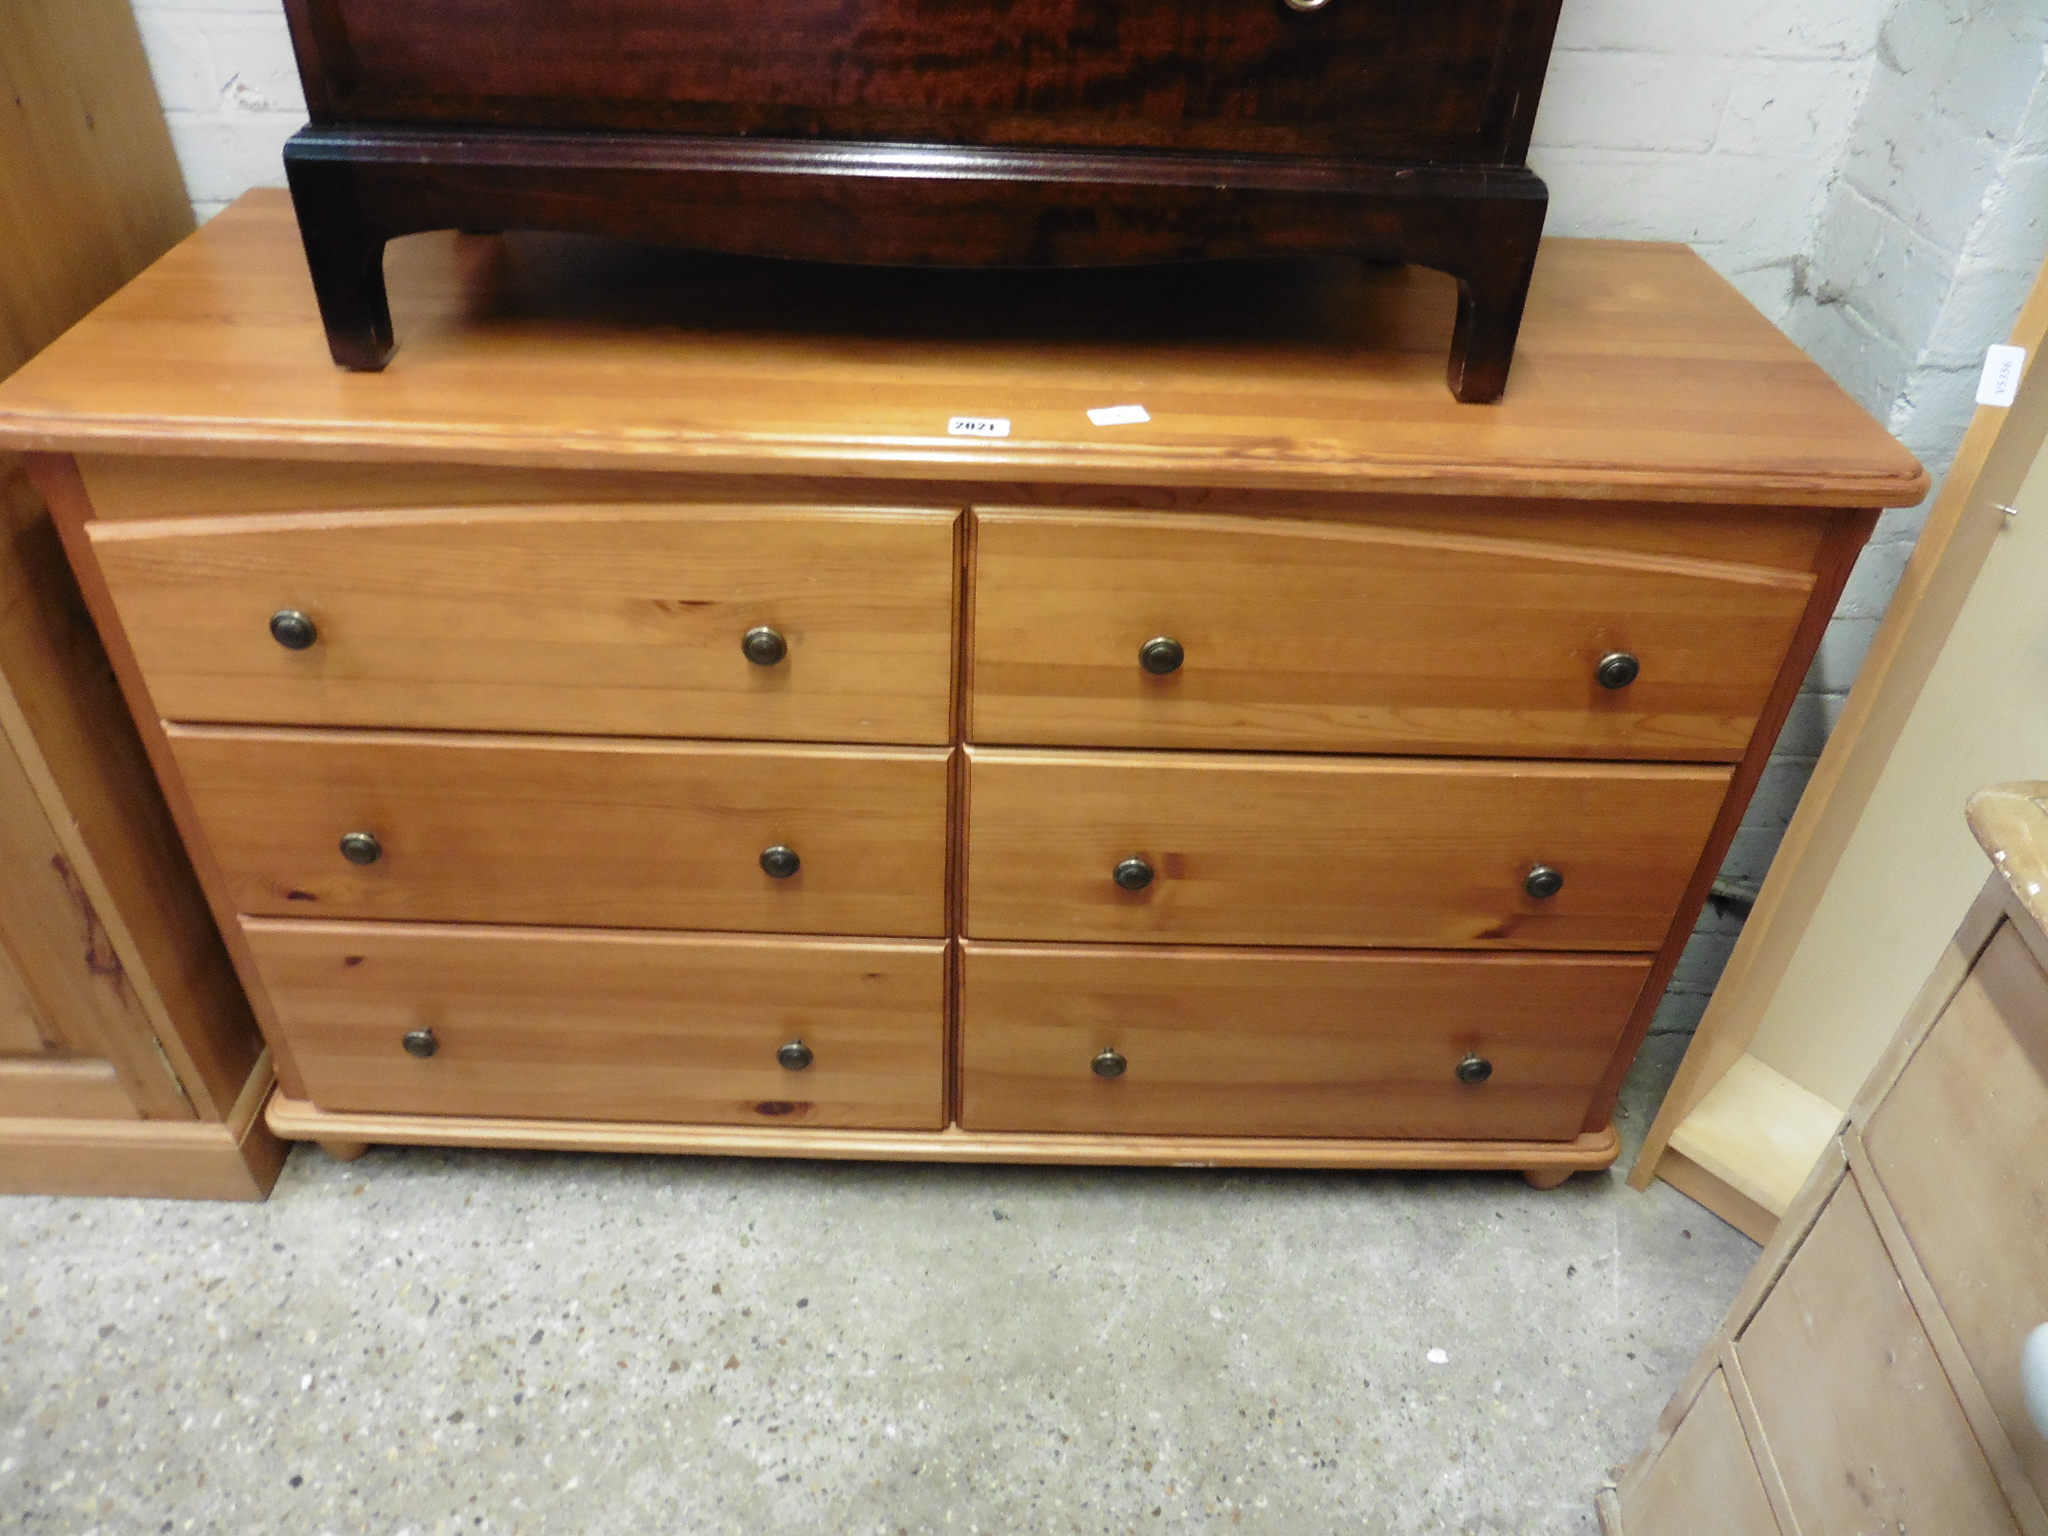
1306,851
130,488
1303,1043
1705,1466
62,950
1640,375
299,1121
1315,637
1458,82
573,831
1847,533
535,1023
1863,1426
604,620
1960,1144
23,1029
70,1089
235,1158
1991,463
89,183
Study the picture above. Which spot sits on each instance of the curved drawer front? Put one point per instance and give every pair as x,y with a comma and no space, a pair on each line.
601,620
543,1024
1294,850
1297,636
1264,1043
579,833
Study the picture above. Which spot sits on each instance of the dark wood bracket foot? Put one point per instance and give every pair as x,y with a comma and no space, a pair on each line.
911,205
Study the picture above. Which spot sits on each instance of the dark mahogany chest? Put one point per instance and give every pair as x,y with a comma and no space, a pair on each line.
1014,133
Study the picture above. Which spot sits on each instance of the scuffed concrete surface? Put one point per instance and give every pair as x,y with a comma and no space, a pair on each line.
444,1342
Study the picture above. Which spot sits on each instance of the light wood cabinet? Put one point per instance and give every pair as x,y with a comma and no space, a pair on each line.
1873,1359
1428,724
129,1061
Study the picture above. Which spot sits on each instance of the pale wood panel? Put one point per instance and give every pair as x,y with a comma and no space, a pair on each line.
1292,850
1703,1480
1976,722
235,1158
573,831
1759,1132
1961,1147
70,1089
1264,1043
89,186
23,1030
540,1024
85,989
1862,1424
126,487
1321,637
611,620
299,1121
1964,524
1753,1221
1639,373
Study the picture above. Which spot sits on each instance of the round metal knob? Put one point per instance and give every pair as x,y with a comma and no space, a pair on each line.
421,1043
292,629
780,861
1543,881
1132,874
1617,669
1109,1064
795,1056
764,647
361,847
1161,654
1474,1069
1306,5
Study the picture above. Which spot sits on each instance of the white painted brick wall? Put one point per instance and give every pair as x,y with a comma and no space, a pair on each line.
1872,174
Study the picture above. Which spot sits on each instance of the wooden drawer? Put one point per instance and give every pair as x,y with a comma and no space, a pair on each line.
544,1024
1300,636
573,832
1960,1144
1859,1418
1278,1043
1295,850
606,619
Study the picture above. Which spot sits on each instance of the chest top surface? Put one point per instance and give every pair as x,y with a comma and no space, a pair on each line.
1641,374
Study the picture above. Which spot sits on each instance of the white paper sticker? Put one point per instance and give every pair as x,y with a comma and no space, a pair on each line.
2001,380
978,426
1118,415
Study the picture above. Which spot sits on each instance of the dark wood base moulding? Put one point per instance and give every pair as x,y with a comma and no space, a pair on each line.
1545,1164
913,205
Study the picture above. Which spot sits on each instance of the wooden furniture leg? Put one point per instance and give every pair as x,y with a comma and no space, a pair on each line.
344,1151
1547,1178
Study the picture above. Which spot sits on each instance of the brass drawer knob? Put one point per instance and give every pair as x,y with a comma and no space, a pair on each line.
361,847
1543,882
421,1043
292,629
1109,1064
794,1056
1617,669
780,861
764,646
1132,874
1161,654
1474,1069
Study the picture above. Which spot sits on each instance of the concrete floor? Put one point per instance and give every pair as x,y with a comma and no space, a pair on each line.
448,1342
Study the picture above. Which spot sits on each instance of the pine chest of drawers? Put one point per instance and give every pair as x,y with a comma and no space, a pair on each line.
600,734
